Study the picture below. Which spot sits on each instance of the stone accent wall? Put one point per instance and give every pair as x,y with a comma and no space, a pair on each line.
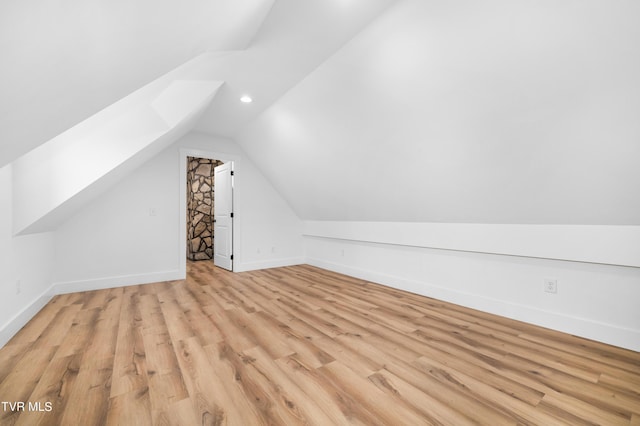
200,208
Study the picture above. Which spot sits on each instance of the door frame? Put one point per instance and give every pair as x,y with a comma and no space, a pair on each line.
182,244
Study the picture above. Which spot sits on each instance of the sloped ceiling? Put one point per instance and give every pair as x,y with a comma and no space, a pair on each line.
482,112
63,61
466,111
78,111
77,165
295,38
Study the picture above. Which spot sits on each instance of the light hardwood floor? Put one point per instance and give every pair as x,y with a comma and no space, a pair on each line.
300,345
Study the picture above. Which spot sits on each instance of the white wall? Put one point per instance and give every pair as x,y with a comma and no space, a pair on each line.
595,301
115,241
270,233
28,259
267,233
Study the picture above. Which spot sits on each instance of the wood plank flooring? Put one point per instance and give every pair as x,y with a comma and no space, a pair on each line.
300,345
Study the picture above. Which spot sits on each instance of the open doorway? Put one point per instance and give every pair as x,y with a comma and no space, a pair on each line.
200,207
185,195
209,211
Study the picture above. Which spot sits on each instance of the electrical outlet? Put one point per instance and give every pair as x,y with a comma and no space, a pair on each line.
551,285
342,252
18,289
273,249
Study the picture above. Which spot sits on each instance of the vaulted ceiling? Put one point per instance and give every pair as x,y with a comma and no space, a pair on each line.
64,61
466,111
381,110
111,83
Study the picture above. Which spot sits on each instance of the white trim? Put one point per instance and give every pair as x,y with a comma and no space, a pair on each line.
182,244
113,282
11,327
609,245
266,264
606,333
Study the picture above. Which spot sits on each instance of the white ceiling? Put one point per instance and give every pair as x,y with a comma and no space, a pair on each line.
65,61
483,112
77,165
295,38
466,111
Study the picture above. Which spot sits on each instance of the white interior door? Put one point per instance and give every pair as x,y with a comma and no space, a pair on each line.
223,216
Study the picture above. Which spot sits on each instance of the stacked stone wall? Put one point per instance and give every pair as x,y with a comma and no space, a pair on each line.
200,208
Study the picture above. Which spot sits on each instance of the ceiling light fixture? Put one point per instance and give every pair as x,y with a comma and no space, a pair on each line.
246,99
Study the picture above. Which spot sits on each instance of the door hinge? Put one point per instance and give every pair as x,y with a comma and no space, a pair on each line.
231,214
231,172
231,257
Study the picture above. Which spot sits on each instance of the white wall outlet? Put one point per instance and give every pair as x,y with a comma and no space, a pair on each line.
273,249
342,252
551,285
18,284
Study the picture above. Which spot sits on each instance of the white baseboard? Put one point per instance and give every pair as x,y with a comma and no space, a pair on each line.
607,333
594,330
17,322
11,327
266,264
117,281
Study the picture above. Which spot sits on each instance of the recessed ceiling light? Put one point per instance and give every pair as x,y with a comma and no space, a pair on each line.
246,99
